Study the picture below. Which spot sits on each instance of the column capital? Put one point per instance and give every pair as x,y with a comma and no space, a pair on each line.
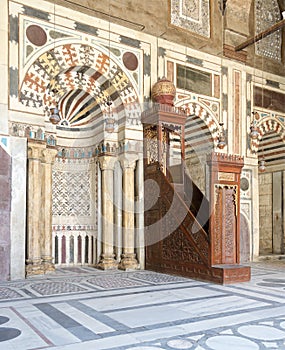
35,150
128,161
107,162
48,155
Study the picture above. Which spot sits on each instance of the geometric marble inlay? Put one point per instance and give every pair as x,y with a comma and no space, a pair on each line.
7,333
262,332
7,293
157,278
193,15
109,282
51,288
87,81
71,193
36,35
233,343
180,344
130,61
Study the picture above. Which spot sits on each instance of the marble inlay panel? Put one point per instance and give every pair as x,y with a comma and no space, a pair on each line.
115,282
267,13
157,278
51,288
8,293
193,15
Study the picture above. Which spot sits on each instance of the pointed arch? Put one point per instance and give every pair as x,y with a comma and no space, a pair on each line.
89,81
201,137
197,112
271,141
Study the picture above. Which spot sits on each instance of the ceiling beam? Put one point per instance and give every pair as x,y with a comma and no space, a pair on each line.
261,35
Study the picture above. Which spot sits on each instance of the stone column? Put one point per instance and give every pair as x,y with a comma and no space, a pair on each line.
107,260
140,242
118,202
33,259
94,208
46,234
129,261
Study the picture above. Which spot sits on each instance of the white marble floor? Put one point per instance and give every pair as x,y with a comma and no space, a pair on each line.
85,308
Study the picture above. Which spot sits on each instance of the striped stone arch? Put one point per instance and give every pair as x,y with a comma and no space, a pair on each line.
90,83
271,125
201,138
199,116
271,141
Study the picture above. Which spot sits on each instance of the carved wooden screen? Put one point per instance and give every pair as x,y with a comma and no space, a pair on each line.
225,225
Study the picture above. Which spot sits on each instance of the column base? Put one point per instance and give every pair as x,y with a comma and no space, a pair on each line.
129,262
34,267
48,265
107,263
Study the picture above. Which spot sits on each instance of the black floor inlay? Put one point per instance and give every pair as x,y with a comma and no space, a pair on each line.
7,333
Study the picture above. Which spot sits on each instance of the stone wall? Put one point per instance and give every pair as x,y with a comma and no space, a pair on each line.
271,213
265,213
196,170
175,21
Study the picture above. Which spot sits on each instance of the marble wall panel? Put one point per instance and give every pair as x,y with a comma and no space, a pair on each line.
5,204
18,148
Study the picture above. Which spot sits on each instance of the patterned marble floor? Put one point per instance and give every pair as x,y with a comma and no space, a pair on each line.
85,308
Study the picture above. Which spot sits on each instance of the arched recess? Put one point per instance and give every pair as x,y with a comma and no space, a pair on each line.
271,149
201,137
271,142
91,88
90,85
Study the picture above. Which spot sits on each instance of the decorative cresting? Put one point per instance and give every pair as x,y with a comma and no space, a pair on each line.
267,13
87,80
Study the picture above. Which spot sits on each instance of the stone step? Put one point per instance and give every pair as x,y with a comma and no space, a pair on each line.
231,273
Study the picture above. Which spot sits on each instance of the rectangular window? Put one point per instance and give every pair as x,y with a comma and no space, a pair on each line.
194,80
268,99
